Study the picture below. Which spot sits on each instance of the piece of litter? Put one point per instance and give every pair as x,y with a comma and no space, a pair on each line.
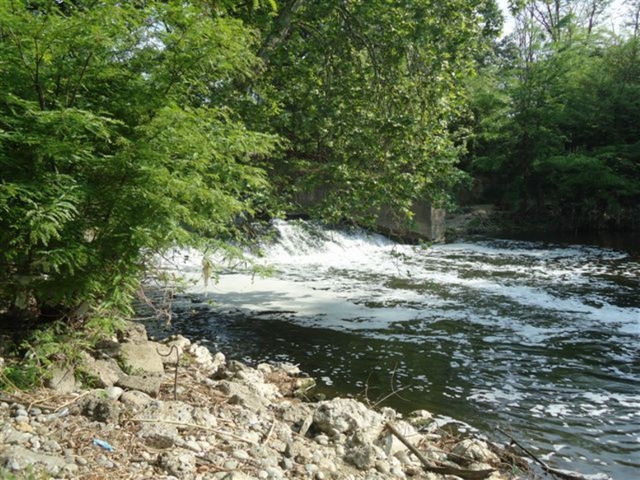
103,444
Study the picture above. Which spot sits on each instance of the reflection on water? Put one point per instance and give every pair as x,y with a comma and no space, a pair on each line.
537,336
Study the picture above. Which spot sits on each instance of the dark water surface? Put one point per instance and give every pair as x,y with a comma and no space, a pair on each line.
539,336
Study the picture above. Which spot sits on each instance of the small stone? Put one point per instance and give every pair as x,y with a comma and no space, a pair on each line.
397,472
240,455
230,465
321,440
70,468
275,472
114,393
22,419
35,443
286,464
13,464
20,412
193,445
383,467
51,446
204,445
17,438
83,461
24,427
35,411
310,468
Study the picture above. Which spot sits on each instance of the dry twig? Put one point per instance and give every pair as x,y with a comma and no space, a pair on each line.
446,470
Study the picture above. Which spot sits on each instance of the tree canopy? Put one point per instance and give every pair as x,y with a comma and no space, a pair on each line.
130,127
557,113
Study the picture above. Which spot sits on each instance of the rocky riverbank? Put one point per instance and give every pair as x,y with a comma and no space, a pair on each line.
174,410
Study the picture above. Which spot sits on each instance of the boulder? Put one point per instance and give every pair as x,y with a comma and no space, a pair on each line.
62,379
134,333
179,464
103,410
203,357
159,435
173,348
140,358
105,371
135,399
19,458
242,395
363,456
348,416
476,450
178,412
390,443
149,384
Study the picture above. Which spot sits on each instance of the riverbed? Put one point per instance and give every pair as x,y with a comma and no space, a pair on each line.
537,336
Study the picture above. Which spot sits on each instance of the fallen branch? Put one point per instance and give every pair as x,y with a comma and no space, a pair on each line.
429,467
564,474
273,425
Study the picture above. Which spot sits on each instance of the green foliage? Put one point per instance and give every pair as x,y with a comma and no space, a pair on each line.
369,94
557,114
118,138
27,474
127,128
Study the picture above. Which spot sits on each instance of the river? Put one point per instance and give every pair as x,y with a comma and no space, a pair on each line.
539,337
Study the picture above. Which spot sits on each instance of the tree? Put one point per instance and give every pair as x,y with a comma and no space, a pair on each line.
369,94
116,141
568,139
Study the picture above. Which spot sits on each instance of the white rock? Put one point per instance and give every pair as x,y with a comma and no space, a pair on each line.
346,415
114,393
476,450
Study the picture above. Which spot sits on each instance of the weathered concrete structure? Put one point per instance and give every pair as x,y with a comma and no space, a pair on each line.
427,224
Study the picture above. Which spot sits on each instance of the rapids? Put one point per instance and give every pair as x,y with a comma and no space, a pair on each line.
539,338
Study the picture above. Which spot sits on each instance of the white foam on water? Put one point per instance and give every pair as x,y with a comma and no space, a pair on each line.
344,276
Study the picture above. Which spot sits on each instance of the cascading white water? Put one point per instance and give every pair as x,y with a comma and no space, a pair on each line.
541,336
